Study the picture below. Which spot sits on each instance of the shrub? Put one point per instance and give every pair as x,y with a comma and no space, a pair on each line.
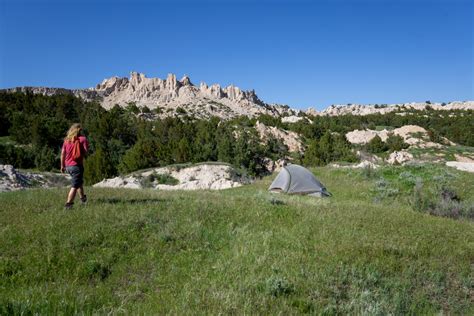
384,190
327,149
97,167
166,179
46,159
275,201
141,155
145,109
435,136
180,110
396,143
376,145
132,108
408,179
278,286
452,208
149,181
17,156
419,200
440,202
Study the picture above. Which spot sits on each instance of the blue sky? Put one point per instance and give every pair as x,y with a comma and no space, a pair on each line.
300,53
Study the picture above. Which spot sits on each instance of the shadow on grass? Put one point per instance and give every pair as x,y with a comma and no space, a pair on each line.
129,201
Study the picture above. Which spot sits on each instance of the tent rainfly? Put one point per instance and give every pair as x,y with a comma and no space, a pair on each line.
295,179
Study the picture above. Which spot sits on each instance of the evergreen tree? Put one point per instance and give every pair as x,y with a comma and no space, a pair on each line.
328,149
141,155
376,145
311,156
205,143
396,143
46,159
275,148
248,152
225,145
97,167
182,152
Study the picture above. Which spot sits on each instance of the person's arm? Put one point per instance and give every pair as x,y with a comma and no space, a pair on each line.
63,159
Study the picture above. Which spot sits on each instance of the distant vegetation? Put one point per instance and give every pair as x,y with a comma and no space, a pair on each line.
392,143
122,141
456,125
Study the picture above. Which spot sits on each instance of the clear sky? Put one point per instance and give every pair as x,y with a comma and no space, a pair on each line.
300,53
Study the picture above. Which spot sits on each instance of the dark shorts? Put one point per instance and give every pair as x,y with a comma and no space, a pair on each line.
77,175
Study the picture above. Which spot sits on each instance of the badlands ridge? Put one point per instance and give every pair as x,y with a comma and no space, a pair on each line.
171,97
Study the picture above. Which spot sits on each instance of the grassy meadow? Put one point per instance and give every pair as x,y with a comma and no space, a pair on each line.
366,250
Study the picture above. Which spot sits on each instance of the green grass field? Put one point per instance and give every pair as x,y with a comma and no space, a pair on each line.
239,251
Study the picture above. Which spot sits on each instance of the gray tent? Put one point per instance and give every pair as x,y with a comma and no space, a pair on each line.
295,179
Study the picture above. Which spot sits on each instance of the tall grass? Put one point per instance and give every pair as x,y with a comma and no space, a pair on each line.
239,251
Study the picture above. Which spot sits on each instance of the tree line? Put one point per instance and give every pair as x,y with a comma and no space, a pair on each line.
122,140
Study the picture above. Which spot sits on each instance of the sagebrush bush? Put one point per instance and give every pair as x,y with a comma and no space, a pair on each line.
383,189
440,201
419,199
166,179
408,178
155,178
278,286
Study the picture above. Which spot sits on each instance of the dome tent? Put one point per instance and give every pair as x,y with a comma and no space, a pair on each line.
295,179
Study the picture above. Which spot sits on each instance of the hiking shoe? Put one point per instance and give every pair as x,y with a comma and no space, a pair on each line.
68,206
84,199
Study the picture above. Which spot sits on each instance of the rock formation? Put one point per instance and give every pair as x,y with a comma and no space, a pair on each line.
169,94
196,177
401,108
413,135
12,180
463,166
203,101
399,157
290,139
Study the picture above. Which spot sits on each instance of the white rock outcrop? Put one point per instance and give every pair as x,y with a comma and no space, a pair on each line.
413,135
10,179
291,119
196,177
13,180
399,158
361,165
400,108
291,139
360,136
129,182
463,166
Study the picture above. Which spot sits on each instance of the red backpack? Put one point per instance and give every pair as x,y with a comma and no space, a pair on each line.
76,149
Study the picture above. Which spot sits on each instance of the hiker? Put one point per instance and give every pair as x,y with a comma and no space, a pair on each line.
74,150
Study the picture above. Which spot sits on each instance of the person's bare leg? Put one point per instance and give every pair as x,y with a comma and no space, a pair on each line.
71,195
82,195
81,192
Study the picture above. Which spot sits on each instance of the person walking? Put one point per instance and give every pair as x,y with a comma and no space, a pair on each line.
75,148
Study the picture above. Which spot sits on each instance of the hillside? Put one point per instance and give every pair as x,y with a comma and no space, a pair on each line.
244,250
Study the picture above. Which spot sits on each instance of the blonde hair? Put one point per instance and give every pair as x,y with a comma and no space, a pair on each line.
73,132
